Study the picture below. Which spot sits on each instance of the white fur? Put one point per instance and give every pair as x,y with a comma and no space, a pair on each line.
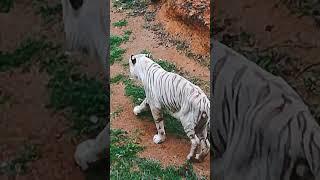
185,98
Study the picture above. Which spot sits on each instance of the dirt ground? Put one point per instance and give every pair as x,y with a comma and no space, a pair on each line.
174,150
26,119
293,39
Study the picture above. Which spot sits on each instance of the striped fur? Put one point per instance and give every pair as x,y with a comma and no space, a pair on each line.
261,127
186,102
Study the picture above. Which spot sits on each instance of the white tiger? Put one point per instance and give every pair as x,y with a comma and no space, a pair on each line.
85,27
186,102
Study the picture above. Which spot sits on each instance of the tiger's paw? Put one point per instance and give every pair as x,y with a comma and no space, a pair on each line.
158,139
190,157
136,110
198,158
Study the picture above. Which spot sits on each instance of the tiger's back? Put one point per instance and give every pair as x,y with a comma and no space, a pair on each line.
174,92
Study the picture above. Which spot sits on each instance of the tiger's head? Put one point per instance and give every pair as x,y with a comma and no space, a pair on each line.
136,64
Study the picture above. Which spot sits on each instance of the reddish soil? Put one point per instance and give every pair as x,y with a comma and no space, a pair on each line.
189,20
174,150
25,119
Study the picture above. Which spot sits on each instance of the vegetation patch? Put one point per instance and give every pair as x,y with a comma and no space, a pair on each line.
48,12
22,55
120,23
6,5
74,92
70,90
118,78
116,52
125,164
19,164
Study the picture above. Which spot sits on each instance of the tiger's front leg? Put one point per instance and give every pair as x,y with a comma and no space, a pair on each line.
158,118
142,107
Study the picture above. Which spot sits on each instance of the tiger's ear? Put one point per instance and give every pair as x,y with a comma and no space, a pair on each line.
148,55
133,60
76,4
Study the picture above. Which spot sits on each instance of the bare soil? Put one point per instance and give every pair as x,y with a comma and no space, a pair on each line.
174,150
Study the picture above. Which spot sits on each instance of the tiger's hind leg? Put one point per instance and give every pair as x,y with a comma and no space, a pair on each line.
204,149
142,107
190,131
158,118
204,143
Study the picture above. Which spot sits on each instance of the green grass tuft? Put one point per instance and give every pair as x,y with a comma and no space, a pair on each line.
125,163
136,93
48,13
22,55
116,52
120,23
118,78
168,66
18,165
81,95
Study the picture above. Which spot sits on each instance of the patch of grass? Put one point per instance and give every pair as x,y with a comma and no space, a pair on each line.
74,92
48,12
19,164
166,65
135,92
118,78
120,23
81,95
126,35
22,55
125,164
70,90
6,5
116,52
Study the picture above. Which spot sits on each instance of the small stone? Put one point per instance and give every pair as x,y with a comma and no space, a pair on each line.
93,119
